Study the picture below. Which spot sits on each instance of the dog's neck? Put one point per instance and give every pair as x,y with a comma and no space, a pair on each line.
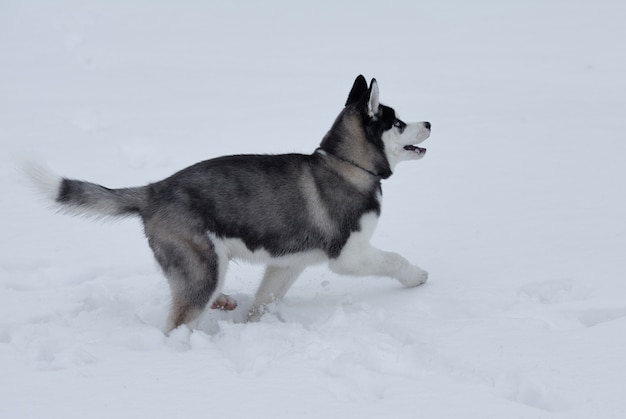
350,162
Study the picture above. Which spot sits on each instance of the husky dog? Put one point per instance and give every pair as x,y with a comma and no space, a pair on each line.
286,211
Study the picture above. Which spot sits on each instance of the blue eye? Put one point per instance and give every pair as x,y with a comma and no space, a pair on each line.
399,124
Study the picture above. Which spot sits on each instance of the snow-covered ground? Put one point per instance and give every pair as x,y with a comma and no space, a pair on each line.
518,210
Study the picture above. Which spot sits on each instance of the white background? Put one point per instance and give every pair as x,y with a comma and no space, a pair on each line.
517,211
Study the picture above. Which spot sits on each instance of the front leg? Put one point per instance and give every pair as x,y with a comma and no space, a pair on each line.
276,282
363,259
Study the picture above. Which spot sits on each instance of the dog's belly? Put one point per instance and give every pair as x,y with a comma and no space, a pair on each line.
236,249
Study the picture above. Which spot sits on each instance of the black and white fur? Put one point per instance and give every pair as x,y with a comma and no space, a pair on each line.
286,211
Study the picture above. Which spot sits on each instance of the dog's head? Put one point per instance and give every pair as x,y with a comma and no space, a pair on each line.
399,138
370,135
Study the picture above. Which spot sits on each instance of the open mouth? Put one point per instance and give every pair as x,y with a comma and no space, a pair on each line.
415,149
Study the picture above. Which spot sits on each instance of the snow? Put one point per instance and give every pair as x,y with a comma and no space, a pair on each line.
517,211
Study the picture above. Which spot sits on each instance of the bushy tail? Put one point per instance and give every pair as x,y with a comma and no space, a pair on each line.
85,198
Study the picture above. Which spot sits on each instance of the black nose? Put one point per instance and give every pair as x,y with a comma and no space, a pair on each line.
427,125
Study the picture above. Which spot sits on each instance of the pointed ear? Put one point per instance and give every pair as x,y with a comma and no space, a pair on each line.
373,103
359,88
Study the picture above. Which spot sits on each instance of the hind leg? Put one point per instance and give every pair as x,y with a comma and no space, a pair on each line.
194,269
224,302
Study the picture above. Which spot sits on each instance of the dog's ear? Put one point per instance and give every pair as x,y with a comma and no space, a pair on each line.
372,102
359,88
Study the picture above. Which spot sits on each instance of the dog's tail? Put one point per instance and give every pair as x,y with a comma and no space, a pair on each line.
78,197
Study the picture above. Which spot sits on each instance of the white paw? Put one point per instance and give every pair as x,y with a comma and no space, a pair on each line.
255,314
417,278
